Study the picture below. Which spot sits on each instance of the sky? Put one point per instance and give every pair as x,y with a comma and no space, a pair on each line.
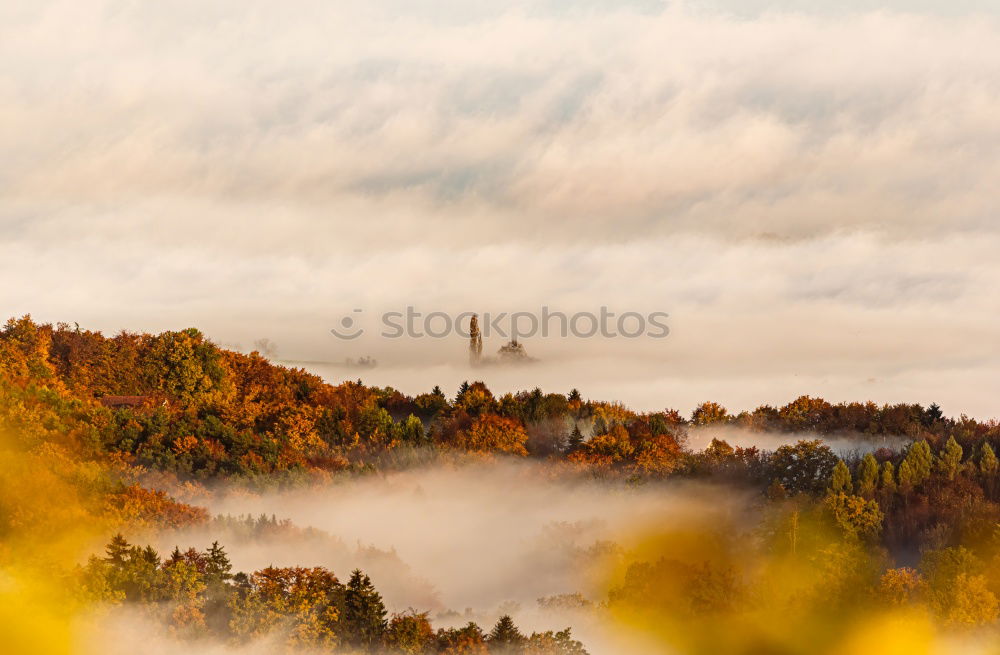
807,189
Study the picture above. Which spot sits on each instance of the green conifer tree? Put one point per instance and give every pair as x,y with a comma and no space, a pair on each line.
217,565
412,430
150,556
950,458
919,460
841,480
505,638
867,475
907,478
175,556
575,439
987,460
364,613
118,550
933,414
888,481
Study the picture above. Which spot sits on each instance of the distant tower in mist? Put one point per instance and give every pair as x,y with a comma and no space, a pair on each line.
475,341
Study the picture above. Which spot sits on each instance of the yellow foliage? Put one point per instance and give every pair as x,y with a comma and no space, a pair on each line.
901,586
46,522
899,632
55,509
700,588
34,615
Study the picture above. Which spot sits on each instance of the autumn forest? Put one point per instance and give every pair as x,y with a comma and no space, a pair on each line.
113,444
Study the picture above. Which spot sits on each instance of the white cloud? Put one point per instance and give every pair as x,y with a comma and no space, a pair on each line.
810,195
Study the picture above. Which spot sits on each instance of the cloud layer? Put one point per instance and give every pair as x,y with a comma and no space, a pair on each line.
810,195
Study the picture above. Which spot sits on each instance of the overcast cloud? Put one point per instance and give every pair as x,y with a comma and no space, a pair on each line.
811,194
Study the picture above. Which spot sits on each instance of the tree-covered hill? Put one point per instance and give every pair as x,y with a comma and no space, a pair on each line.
175,402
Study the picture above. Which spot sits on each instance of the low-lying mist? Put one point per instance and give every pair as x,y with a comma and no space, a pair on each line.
844,446
482,534
463,541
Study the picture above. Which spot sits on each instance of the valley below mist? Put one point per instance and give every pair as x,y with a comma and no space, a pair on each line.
465,541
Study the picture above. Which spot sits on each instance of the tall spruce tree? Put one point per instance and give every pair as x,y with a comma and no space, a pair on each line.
217,565
933,414
575,439
505,638
118,550
364,613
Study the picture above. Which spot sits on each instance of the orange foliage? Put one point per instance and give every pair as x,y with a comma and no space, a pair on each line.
142,507
494,434
658,455
185,444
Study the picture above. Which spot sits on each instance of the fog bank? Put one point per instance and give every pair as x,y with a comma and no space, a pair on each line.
466,542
